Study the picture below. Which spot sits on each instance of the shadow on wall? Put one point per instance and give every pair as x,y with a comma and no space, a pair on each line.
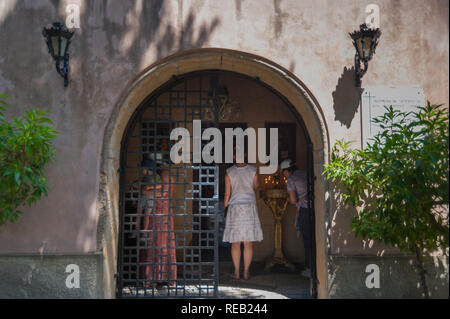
127,34
144,29
340,226
398,278
342,239
346,97
116,40
398,275
186,39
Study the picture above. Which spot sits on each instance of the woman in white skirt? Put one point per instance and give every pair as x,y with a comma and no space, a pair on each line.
242,222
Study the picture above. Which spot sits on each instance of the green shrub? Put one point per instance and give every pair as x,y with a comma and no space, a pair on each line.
400,181
25,150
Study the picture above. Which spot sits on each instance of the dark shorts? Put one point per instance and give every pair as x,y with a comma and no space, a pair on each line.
305,226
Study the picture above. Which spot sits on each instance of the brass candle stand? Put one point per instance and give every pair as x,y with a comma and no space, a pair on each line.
277,200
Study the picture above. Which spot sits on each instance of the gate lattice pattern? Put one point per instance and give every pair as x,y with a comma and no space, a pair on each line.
173,244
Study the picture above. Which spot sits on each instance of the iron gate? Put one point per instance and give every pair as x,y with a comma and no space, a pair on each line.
168,245
312,218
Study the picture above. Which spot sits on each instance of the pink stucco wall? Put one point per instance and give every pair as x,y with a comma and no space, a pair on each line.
118,39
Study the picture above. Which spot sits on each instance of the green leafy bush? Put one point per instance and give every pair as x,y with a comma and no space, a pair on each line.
400,181
25,150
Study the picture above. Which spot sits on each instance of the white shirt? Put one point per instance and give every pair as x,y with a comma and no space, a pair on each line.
241,179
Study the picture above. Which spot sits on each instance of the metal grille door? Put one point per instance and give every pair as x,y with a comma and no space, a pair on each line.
168,245
310,184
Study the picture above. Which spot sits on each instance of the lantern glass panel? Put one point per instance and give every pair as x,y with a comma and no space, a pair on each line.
367,46
55,46
359,47
63,47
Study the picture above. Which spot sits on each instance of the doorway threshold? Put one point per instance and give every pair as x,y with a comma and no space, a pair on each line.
277,283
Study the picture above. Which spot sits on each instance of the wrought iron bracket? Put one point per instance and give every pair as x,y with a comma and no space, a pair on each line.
65,70
359,72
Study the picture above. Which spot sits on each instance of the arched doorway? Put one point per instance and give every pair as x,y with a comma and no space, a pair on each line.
158,76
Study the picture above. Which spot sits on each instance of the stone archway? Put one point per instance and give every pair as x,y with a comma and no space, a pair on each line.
269,73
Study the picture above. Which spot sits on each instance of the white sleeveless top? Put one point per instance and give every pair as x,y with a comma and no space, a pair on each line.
242,178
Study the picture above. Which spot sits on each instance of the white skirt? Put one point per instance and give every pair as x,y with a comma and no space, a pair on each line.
242,224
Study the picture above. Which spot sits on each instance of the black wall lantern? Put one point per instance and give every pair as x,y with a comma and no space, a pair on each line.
58,40
365,41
